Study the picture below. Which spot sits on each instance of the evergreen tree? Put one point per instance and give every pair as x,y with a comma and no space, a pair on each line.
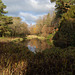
66,33
62,6
4,20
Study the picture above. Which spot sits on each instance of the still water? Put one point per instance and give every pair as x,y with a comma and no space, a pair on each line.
36,45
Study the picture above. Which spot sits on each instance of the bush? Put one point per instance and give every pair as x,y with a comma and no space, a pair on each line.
55,61
65,36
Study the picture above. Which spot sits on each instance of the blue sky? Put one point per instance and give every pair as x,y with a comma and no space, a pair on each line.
28,10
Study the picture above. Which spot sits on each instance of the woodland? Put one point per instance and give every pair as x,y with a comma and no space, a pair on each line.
57,29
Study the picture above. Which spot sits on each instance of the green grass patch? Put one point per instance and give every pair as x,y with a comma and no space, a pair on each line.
50,36
9,39
35,36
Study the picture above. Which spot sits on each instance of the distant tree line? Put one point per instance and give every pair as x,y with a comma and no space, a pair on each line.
18,28
44,26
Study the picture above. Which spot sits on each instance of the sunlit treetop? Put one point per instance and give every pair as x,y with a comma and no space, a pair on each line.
62,6
72,1
2,7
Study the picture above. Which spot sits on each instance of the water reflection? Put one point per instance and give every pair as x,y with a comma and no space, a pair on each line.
36,45
32,48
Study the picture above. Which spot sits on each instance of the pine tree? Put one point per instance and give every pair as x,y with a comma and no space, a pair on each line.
65,36
62,6
4,20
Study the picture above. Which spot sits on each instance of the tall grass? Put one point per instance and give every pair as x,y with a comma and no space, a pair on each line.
16,59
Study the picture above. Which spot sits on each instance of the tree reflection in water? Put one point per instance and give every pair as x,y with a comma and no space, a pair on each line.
36,45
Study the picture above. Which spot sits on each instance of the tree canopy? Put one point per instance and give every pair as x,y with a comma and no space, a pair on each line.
65,36
62,6
4,20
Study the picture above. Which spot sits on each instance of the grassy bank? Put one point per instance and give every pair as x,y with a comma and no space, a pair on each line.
35,36
10,39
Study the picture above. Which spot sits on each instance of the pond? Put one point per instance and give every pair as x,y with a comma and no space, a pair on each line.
37,45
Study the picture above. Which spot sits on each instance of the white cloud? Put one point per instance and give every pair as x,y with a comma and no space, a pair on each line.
28,8
28,17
